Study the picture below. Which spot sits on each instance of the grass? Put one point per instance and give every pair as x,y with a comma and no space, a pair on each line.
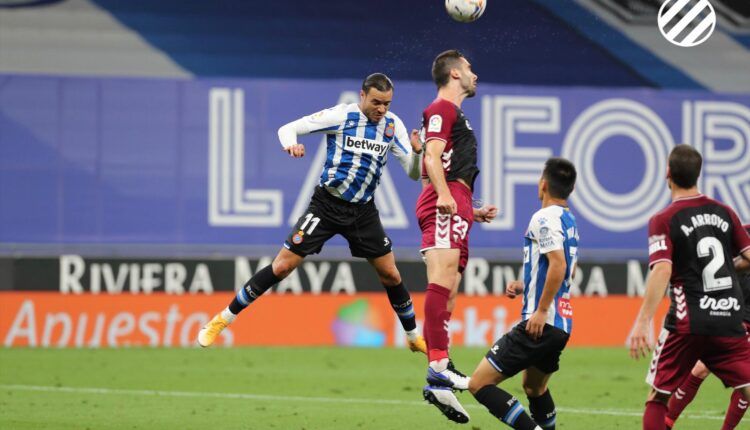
300,388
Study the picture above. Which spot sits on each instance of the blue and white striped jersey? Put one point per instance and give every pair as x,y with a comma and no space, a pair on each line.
551,228
357,149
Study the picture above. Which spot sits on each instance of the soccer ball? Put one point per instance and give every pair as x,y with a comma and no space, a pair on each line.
465,10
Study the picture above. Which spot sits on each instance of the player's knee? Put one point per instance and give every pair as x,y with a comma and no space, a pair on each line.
390,277
476,384
656,396
282,267
534,391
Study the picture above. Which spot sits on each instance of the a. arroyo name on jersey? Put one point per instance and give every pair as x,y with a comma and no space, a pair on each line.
550,229
356,149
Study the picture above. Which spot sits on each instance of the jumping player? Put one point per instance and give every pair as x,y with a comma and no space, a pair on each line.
689,387
359,137
691,246
445,213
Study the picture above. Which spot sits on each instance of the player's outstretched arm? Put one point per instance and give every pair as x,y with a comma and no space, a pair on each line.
553,282
656,287
325,121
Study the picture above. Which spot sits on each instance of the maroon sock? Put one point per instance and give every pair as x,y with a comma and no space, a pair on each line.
682,397
436,318
653,417
736,410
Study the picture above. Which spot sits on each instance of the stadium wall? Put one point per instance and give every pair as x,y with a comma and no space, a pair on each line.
107,185
196,163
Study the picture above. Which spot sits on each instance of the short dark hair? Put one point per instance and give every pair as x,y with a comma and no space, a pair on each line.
441,67
685,166
379,81
560,175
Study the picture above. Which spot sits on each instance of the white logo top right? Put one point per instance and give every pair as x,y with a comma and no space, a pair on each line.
687,23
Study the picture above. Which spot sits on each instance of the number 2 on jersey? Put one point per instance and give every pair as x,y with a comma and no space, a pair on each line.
706,247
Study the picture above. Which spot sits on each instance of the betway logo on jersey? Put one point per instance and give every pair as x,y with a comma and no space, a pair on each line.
365,146
657,243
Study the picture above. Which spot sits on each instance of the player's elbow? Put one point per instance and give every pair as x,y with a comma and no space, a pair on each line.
557,263
287,135
662,270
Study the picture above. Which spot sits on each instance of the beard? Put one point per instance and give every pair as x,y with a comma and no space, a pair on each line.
470,90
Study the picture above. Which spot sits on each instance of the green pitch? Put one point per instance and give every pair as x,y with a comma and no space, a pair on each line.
300,388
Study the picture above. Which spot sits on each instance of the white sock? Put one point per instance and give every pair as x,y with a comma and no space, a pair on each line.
228,315
439,365
412,335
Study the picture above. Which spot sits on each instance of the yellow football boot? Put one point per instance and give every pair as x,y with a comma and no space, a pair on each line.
210,331
418,345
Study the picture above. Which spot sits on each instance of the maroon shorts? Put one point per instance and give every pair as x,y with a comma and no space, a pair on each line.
676,354
445,231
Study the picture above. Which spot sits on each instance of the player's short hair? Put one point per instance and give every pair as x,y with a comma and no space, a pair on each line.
685,166
560,175
379,81
441,67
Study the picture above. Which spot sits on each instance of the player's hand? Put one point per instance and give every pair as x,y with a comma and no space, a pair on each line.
296,151
639,343
535,324
513,289
416,142
446,205
485,213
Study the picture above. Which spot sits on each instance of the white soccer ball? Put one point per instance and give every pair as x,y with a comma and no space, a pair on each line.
465,10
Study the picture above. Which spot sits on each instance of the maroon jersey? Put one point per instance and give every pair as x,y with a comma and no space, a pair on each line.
700,237
745,282
442,120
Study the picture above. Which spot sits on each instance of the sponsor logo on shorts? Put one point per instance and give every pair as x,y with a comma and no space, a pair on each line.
365,146
298,237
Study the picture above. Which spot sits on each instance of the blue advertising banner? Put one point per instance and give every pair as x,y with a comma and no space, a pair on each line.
181,162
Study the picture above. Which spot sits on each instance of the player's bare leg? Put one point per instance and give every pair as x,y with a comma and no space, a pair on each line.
686,393
399,298
656,410
541,404
484,386
284,263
